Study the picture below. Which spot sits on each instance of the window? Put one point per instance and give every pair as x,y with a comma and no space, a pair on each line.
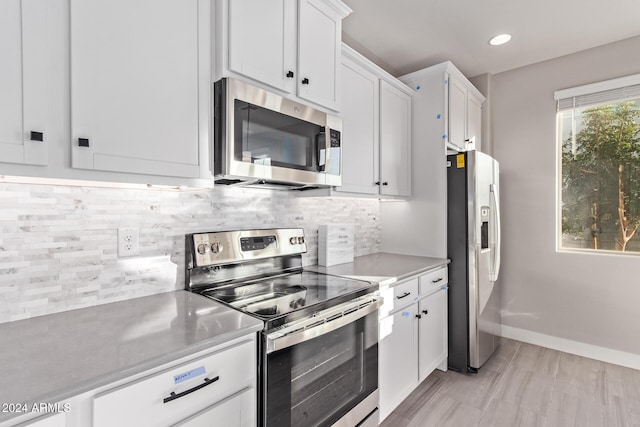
599,159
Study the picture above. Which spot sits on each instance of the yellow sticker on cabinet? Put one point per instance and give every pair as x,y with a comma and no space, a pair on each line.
460,161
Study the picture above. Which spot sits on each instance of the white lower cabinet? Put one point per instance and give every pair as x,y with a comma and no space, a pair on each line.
398,358
432,339
413,336
176,393
209,388
236,411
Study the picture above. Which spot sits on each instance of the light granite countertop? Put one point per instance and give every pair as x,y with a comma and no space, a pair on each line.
54,357
383,268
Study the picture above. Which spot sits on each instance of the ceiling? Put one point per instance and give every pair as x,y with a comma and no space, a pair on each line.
409,35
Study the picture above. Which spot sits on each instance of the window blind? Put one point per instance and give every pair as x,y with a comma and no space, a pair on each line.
610,91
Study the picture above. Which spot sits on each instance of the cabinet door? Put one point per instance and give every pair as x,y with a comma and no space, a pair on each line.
432,332
395,141
457,113
398,363
23,88
319,48
236,411
135,74
262,41
359,114
474,120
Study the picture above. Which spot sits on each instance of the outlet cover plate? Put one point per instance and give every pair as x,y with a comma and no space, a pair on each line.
128,242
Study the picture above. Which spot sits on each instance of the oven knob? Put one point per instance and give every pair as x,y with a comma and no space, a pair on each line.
293,304
301,302
293,240
301,240
203,249
216,248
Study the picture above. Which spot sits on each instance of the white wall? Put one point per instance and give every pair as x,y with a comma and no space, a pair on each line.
585,300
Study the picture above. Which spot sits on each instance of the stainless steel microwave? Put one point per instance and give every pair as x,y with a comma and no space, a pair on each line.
261,138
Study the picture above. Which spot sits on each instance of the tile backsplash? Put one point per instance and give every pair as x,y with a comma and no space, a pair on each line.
58,244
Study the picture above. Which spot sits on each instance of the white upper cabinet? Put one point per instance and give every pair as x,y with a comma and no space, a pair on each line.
376,130
262,41
453,106
465,115
23,82
360,123
395,141
140,85
319,47
474,120
292,46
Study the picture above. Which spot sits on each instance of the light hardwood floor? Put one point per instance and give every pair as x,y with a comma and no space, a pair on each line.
525,385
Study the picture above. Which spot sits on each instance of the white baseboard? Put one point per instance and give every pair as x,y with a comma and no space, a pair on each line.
591,351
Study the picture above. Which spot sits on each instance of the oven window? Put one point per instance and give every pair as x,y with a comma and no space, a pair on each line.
270,138
316,382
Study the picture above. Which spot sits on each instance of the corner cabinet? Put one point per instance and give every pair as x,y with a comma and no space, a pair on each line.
24,135
292,46
376,134
455,106
413,336
140,95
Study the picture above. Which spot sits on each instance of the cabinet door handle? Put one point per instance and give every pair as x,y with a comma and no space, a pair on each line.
377,183
305,81
174,396
419,316
36,136
439,279
425,311
406,294
290,74
83,142
385,183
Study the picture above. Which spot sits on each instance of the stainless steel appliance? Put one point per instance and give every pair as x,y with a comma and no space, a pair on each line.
474,249
318,351
264,139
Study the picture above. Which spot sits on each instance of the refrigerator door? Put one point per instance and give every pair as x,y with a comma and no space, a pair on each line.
484,303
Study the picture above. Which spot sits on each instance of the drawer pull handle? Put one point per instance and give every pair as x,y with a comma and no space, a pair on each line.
406,294
418,316
439,279
425,311
174,396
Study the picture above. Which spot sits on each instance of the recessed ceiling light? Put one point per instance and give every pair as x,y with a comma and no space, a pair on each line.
500,39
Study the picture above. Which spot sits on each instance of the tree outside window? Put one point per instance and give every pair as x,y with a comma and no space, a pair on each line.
600,148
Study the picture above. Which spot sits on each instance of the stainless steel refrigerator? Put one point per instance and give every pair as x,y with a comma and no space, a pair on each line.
473,245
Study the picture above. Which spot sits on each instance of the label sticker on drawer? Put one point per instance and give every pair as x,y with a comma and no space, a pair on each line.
406,314
177,379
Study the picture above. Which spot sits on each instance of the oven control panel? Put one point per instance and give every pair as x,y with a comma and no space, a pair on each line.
257,243
223,247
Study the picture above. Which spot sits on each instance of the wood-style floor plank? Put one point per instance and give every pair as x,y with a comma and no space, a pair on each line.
524,385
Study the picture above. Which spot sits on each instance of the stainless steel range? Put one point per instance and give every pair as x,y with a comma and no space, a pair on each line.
318,350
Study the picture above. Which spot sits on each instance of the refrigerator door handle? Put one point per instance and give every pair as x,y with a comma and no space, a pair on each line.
496,227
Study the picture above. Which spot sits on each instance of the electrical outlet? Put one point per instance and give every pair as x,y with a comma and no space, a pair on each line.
128,242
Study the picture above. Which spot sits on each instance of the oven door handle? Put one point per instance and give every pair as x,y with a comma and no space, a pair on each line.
319,326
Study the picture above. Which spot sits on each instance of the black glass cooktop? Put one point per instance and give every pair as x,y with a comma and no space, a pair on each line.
281,299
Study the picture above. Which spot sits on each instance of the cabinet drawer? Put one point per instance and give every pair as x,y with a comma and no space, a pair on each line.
144,402
399,296
434,280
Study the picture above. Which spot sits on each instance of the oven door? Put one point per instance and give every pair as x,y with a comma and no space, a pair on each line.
324,370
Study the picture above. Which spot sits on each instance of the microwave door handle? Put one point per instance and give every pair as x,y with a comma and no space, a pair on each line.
277,340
